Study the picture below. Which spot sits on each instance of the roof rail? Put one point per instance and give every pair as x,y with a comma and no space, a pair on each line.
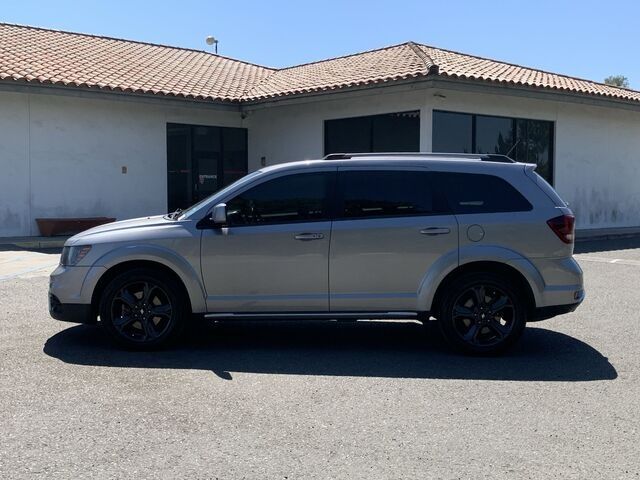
487,157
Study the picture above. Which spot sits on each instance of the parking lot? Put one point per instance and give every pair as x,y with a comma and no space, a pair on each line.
323,400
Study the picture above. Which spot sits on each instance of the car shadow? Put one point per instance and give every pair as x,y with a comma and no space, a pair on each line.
363,349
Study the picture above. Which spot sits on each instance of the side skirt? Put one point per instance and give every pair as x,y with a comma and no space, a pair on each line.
316,316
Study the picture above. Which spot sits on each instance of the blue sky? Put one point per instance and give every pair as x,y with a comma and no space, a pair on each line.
586,39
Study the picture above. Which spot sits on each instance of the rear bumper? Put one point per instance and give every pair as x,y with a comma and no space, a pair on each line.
70,312
544,313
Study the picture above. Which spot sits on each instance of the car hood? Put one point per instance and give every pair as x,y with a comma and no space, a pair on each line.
123,230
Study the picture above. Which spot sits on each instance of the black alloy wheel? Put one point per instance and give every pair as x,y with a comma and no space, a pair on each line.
482,314
143,308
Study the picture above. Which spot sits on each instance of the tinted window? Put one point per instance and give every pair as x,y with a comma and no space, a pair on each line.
495,135
201,160
390,132
452,132
529,141
479,193
292,198
384,193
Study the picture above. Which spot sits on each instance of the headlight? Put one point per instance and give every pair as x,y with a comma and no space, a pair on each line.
72,255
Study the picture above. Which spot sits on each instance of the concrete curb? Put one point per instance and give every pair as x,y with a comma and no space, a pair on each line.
32,243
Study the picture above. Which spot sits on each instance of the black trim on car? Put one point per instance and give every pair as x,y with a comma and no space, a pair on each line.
544,313
70,312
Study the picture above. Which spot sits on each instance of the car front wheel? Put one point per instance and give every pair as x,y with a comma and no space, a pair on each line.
143,309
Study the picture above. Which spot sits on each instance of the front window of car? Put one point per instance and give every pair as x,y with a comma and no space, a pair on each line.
288,199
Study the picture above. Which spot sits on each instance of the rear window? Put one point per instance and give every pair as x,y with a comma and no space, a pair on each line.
480,193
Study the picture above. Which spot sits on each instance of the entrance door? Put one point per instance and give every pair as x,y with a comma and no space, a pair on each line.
201,160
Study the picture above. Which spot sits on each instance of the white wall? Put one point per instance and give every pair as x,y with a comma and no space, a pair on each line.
75,149
597,151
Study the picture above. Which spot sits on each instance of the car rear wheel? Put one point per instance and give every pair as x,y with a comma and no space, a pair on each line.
143,309
482,314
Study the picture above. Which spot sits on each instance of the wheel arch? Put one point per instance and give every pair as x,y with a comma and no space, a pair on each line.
505,270
120,260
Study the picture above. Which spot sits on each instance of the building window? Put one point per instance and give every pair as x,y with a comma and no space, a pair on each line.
524,140
201,160
391,132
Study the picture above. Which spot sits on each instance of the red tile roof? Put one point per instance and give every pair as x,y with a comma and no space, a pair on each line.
37,55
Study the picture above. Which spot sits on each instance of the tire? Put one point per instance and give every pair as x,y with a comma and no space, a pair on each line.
143,309
482,314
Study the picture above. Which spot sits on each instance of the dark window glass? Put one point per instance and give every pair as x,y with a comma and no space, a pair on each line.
392,132
452,132
347,135
480,193
292,198
523,140
384,193
234,154
494,135
201,160
396,132
179,170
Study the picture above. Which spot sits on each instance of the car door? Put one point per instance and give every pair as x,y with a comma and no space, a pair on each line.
389,229
272,255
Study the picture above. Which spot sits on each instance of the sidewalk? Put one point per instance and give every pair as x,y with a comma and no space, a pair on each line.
32,243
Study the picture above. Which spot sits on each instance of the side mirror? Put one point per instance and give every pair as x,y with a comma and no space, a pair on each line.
219,214
216,218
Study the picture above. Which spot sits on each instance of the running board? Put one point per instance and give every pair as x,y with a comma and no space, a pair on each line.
315,316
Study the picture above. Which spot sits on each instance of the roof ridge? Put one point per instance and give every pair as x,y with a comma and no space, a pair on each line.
141,42
432,67
573,77
388,47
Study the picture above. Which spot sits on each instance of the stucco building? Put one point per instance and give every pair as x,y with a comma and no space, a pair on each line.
96,126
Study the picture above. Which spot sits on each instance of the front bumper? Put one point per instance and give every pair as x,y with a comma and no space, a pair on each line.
70,312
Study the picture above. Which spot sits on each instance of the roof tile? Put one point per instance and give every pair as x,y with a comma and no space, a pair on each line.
31,54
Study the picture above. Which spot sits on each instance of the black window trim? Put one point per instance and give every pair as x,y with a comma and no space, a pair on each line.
552,134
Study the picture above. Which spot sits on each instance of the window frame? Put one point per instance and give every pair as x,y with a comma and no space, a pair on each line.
330,184
437,201
514,122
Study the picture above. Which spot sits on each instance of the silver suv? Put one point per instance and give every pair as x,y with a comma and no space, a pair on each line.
479,242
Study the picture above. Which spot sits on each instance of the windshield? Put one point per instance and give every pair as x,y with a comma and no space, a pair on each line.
220,193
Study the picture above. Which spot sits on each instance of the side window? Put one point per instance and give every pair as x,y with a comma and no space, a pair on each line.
380,193
480,193
288,199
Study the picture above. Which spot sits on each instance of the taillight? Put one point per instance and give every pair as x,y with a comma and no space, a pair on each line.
563,226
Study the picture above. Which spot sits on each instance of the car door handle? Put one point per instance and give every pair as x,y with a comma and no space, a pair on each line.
309,236
435,231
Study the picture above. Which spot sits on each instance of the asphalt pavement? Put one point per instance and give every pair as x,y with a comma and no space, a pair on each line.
323,400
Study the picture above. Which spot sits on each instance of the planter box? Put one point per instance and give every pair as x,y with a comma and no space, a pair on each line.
69,226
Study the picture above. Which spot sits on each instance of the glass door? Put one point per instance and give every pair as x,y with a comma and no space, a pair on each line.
201,160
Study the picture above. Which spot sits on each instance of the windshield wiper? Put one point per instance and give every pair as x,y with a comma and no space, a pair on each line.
174,215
